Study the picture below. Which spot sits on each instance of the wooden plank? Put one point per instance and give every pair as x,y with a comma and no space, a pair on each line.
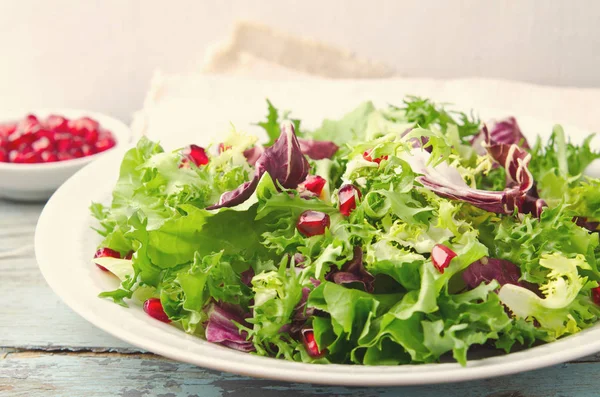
32,315
109,374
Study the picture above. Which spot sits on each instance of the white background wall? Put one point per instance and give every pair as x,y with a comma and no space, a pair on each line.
101,54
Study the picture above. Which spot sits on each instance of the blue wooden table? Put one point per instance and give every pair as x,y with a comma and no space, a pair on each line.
47,350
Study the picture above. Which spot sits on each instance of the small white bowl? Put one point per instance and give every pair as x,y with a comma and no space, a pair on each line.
37,182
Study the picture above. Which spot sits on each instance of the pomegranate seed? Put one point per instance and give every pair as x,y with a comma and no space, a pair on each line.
441,256
63,145
155,310
223,147
106,252
312,223
348,195
56,139
26,157
76,152
64,156
596,295
196,155
91,136
41,145
48,157
7,129
308,337
30,124
82,125
3,156
315,184
88,150
20,140
104,143
45,133
56,123
129,255
367,156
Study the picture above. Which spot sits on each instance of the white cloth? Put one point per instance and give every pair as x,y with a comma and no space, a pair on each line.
253,64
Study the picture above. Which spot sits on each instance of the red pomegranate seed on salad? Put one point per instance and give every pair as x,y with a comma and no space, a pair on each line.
441,256
129,255
312,223
56,123
596,295
348,195
154,309
367,156
310,344
315,184
106,252
196,154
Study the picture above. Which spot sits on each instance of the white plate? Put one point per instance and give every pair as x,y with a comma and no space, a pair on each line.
65,242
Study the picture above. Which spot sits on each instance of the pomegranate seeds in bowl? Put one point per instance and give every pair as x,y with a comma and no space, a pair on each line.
54,138
34,147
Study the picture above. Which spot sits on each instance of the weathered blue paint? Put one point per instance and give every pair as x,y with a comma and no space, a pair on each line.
42,374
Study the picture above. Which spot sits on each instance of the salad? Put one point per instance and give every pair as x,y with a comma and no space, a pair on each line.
390,236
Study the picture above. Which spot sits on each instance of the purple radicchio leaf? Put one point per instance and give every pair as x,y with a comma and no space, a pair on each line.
446,181
317,150
284,161
253,154
591,226
505,132
299,260
301,312
237,196
418,142
246,276
515,160
221,327
487,269
353,271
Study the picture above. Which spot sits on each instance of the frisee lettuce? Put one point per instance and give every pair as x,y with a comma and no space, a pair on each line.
367,288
